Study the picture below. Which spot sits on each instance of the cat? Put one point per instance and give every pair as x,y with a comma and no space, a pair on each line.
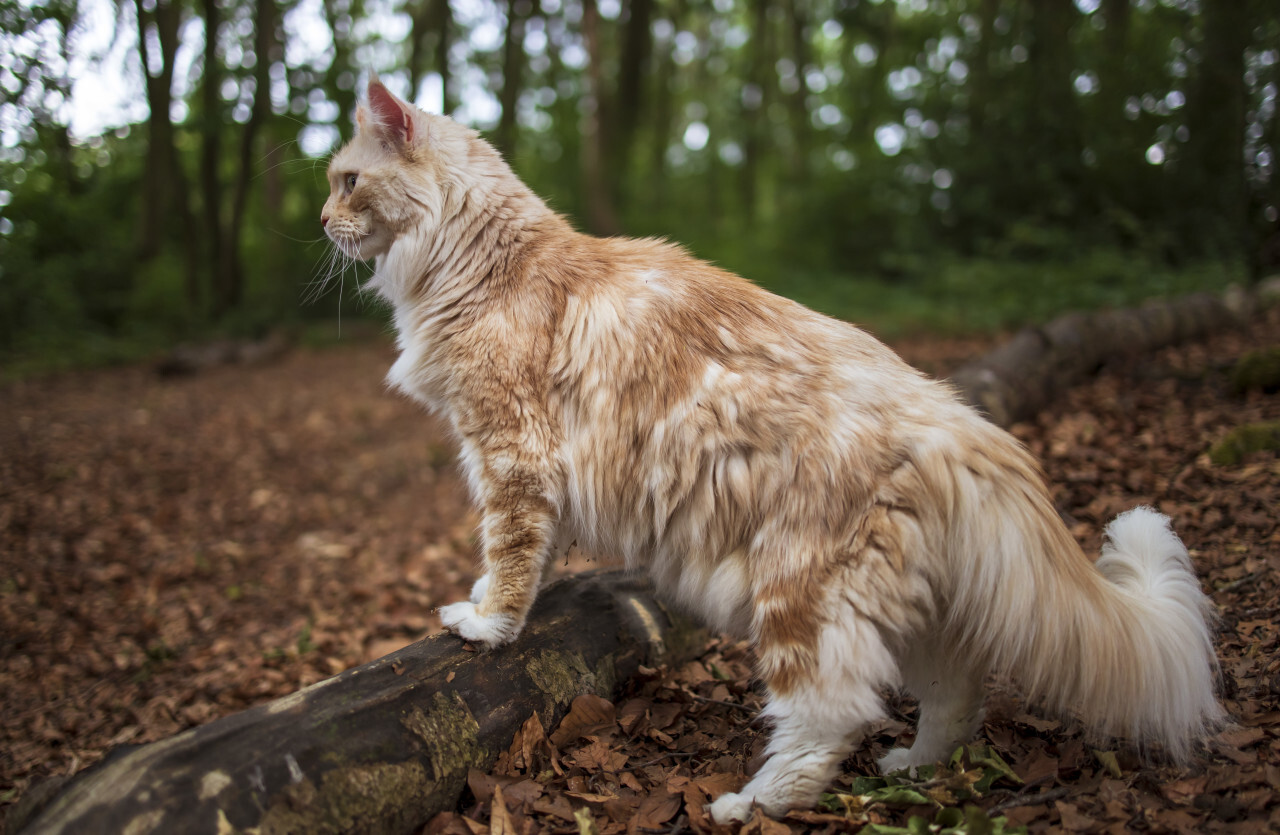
783,474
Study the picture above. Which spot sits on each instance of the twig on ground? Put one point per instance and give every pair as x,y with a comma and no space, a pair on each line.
1032,800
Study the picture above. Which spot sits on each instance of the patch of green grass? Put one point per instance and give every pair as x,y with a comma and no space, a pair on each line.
39,354
305,644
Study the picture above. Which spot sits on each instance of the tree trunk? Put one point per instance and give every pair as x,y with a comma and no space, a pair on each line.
754,107
602,217
798,110
340,82
230,289
211,145
1217,118
383,747
159,137
513,61
981,93
432,19
637,47
1022,376
164,190
1054,139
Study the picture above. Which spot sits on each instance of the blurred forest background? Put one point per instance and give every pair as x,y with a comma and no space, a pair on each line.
918,164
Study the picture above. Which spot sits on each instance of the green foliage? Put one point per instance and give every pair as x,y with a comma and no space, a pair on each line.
953,294
945,166
970,774
950,821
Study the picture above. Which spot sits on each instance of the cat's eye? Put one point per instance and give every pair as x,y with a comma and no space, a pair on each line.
351,183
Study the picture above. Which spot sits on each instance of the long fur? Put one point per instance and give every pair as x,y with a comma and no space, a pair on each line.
783,474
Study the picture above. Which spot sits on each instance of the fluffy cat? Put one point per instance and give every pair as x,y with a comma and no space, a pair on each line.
781,473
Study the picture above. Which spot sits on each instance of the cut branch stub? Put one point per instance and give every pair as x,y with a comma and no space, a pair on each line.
383,747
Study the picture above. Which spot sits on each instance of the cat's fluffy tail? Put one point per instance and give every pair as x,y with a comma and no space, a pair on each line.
1124,645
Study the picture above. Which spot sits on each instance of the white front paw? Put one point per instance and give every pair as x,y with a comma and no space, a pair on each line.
490,630
731,807
478,590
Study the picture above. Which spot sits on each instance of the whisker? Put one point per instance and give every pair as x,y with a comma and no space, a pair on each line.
308,241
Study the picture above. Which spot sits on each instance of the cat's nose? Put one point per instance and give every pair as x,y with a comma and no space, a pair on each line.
324,221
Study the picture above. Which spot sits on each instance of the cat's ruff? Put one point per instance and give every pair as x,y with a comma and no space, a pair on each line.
779,473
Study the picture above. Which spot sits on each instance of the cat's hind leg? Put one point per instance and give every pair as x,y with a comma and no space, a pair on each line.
822,699
951,698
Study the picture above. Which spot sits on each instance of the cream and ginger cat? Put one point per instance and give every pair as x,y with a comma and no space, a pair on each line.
783,474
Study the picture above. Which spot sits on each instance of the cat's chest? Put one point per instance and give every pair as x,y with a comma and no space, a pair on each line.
418,372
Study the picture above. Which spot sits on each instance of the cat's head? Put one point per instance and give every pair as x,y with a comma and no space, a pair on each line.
398,174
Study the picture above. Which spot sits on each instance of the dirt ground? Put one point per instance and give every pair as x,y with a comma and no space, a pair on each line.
174,550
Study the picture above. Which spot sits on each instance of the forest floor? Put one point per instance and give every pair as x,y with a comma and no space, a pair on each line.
174,550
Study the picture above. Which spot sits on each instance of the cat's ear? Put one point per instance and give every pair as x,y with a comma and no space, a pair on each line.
388,117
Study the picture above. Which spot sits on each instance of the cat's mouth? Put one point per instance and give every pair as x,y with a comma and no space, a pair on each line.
357,241
348,244
350,247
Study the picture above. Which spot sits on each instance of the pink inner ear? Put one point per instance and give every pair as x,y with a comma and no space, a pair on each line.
390,112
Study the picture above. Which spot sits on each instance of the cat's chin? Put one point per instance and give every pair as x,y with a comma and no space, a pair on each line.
373,246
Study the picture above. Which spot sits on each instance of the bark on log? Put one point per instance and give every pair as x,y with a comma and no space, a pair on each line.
383,747
1022,376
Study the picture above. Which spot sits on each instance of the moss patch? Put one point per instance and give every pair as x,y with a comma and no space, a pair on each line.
369,798
561,676
1239,442
450,734
1257,370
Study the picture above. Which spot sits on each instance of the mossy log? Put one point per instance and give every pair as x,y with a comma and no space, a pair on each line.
1023,375
383,747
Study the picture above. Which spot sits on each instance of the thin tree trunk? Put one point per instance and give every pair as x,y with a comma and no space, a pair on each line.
513,62
232,289
980,95
1217,119
796,107
660,124
637,47
164,191
211,146
341,20
759,69
1054,140
444,41
432,24
602,218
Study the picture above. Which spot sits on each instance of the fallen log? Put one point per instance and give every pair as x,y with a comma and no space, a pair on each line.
1025,374
189,358
383,747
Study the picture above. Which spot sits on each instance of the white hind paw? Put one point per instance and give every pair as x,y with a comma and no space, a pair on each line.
731,807
897,760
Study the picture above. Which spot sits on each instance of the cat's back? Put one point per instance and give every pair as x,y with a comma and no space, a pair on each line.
646,300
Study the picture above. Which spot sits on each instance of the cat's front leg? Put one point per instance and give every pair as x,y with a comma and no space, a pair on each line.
517,531
563,543
479,588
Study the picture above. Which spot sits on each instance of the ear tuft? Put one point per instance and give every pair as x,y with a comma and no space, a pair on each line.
390,117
